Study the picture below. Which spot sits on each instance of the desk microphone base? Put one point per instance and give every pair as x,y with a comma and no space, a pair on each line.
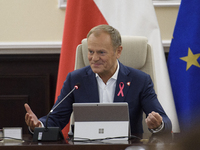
49,134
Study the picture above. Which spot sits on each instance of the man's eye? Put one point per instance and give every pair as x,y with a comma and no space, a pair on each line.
91,52
102,52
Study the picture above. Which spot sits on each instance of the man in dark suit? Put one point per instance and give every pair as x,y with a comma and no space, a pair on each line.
107,80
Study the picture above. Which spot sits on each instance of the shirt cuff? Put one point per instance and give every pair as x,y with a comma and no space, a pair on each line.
158,129
31,131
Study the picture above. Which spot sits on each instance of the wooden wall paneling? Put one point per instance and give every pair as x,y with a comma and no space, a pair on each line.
11,111
32,64
36,87
31,75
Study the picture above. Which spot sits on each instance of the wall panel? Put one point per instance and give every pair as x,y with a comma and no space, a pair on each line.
26,79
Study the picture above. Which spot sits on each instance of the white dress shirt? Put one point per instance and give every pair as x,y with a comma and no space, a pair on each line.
107,91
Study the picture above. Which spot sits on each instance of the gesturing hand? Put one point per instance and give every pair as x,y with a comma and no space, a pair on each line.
153,120
31,119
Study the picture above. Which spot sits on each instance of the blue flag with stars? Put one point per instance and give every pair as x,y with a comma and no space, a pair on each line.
184,64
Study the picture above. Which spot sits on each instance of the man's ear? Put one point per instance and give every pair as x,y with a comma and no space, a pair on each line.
119,51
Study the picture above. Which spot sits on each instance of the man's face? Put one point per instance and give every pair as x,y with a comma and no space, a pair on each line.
101,55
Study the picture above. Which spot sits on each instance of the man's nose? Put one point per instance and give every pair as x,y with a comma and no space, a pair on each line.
95,57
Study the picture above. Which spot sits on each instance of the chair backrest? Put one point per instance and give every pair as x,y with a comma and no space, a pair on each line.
136,53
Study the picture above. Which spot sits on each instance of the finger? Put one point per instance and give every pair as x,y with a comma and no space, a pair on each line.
27,118
152,118
31,125
38,124
154,113
28,109
157,116
149,123
146,120
28,121
34,124
152,122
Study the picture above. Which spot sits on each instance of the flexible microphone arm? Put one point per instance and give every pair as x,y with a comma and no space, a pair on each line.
75,88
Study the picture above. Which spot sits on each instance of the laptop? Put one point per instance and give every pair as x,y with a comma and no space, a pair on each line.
93,121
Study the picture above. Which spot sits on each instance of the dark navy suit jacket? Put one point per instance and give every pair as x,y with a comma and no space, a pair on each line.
139,95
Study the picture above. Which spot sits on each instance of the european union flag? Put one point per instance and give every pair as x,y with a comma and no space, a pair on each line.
184,64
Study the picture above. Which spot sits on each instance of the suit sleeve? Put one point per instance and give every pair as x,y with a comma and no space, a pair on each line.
150,103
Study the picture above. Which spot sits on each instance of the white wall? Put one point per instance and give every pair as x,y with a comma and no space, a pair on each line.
39,23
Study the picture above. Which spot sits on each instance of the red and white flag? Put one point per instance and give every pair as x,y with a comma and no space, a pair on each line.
130,17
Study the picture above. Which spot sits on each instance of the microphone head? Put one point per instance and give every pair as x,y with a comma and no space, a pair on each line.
77,86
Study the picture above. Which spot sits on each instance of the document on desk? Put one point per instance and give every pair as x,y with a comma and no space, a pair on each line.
12,132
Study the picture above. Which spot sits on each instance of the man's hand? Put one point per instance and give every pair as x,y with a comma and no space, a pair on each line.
31,119
153,120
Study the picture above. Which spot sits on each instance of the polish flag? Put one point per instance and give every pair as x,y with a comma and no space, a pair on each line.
130,17
81,16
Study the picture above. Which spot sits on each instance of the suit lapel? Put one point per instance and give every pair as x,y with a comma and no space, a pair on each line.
122,85
91,86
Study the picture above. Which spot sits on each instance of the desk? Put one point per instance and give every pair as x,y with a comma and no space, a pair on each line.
153,143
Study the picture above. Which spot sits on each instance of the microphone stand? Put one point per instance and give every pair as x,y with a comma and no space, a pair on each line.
58,105
50,133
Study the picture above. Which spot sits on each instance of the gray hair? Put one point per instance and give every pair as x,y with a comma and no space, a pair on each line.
114,34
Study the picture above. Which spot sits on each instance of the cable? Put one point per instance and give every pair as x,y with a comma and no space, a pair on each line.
108,138
11,138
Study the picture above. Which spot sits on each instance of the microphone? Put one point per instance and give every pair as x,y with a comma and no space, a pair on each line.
75,88
51,133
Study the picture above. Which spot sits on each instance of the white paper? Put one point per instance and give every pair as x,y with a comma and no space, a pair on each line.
13,132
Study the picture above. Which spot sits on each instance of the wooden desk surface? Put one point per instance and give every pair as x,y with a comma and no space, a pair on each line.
152,143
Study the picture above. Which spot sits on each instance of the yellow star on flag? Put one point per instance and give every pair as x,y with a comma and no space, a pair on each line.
191,59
